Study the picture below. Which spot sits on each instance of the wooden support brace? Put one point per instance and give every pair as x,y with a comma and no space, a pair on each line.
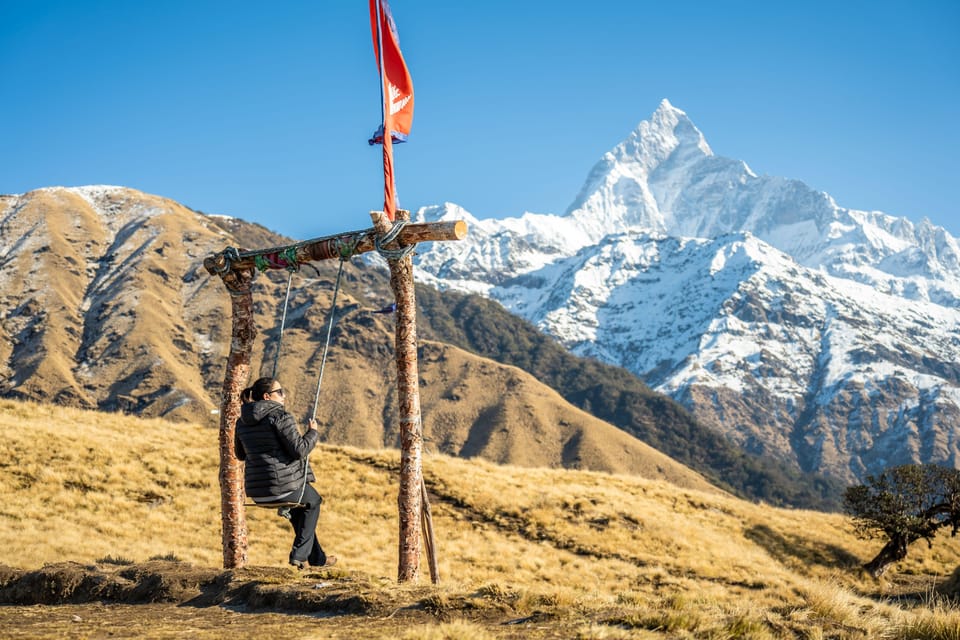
426,517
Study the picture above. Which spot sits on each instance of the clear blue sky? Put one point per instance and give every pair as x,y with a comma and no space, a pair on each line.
262,110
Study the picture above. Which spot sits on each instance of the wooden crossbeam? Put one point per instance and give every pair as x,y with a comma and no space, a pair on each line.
329,247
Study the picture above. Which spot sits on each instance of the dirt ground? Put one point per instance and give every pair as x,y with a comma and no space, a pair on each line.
168,599
170,621
172,600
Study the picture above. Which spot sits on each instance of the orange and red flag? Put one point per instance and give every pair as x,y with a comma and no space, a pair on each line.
397,92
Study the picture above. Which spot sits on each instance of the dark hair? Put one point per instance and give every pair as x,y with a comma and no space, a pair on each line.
262,387
246,395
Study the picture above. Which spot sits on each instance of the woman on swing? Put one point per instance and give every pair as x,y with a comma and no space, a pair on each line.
276,467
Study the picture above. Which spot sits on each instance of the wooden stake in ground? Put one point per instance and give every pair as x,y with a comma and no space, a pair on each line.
237,270
427,518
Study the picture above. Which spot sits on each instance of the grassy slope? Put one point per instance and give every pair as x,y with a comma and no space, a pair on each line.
643,552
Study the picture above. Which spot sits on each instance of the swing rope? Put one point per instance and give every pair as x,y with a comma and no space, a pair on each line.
326,345
344,256
346,251
283,322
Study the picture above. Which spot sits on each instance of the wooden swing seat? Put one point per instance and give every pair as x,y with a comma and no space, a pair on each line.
274,505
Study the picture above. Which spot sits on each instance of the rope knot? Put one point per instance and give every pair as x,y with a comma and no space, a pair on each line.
381,242
230,254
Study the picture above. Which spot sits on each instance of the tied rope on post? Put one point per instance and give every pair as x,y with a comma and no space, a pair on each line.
230,278
381,242
229,255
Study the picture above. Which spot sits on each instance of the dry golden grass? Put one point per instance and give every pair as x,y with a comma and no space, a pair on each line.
600,555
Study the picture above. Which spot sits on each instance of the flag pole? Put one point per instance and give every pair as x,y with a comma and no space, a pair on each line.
411,492
389,186
383,75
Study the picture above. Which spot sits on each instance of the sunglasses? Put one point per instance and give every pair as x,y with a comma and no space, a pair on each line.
280,391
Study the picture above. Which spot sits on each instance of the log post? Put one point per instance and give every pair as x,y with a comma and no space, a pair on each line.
409,498
233,516
329,247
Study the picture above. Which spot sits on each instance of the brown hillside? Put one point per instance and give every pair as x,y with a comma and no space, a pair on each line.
135,552
101,307
107,306
474,407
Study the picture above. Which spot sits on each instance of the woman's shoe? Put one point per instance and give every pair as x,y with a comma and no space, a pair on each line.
299,564
329,562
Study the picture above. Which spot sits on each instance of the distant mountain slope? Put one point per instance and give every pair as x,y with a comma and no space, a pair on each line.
823,336
107,306
477,408
92,283
613,394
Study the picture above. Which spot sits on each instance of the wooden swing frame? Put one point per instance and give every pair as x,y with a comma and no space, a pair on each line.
237,270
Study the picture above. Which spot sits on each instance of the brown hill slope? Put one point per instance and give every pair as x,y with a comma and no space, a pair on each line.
108,306
554,553
98,311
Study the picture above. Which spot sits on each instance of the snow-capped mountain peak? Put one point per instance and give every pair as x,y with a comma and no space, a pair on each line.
825,335
618,194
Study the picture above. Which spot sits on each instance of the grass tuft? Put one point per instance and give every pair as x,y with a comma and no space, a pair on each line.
498,593
941,622
169,557
458,630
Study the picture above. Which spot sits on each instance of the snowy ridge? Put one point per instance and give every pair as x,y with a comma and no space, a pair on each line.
825,334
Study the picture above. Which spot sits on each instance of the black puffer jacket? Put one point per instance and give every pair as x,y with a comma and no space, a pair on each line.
275,453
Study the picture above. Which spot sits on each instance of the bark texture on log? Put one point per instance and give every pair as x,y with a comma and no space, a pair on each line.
233,515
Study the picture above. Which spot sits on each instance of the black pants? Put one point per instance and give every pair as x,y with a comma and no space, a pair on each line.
304,520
